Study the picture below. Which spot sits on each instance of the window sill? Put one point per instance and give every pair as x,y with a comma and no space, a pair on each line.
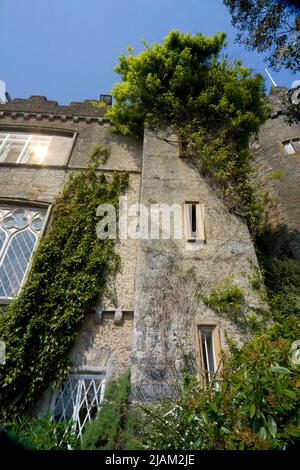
5,301
33,165
194,245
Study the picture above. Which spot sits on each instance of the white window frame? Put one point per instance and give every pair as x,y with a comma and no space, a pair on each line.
80,377
39,139
289,147
32,134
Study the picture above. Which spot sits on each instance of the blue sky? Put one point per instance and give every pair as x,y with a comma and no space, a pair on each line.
67,49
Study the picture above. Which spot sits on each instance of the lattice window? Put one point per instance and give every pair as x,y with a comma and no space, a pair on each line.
19,231
79,399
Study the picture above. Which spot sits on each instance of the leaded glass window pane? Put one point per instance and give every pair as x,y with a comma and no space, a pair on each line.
2,238
19,231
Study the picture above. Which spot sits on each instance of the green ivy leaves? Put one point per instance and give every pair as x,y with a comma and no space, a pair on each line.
69,275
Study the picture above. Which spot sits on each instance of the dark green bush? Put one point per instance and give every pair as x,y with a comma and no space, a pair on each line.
253,404
282,281
41,433
116,425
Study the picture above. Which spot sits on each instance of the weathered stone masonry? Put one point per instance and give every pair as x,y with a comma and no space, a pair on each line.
154,304
270,156
165,309
104,346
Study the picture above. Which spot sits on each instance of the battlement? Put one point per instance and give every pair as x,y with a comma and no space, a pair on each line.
40,106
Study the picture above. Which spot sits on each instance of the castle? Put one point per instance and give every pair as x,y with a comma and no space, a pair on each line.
153,307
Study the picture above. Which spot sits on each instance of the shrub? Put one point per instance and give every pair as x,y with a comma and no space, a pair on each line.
253,404
116,425
41,433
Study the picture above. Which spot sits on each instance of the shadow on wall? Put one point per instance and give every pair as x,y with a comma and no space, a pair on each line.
132,146
281,242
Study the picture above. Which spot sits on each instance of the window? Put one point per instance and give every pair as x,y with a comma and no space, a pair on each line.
79,399
208,337
194,221
292,146
19,232
40,149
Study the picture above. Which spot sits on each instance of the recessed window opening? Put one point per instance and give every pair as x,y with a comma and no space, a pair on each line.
20,228
194,221
40,149
292,146
79,399
208,351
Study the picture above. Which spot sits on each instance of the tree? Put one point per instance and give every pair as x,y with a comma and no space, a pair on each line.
212,105
269,26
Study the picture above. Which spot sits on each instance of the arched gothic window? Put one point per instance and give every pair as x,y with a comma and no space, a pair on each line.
19,231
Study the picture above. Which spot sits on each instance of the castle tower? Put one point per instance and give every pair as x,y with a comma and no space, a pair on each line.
277,149
171,323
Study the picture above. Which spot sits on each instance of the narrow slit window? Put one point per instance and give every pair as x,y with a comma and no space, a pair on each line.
193,215
194,221
208,355
209,347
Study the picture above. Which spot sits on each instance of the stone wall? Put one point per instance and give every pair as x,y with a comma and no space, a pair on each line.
100,345
270,156
105,348
169,275
153,303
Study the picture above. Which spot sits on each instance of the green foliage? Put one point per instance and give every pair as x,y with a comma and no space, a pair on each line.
253,404
229,298
254,401
102,105
100,155
229,301
257,281
282,280
115,425
68,276
212,106
269,26
41,433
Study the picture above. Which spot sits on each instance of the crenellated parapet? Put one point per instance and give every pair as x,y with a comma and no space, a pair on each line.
40,108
